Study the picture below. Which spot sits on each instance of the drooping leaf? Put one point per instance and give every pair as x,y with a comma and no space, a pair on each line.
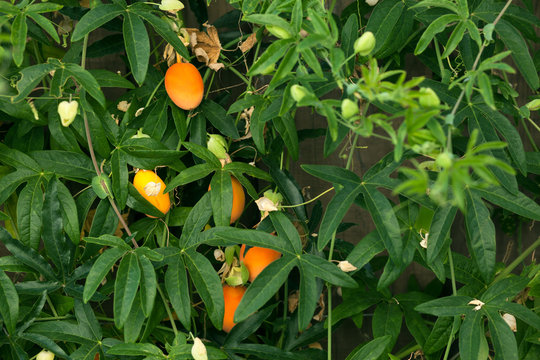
125,288
9,302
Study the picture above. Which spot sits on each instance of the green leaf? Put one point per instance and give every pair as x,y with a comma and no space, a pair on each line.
481,235
327,271
107,78
446,306
228,235
125,288
9,303
176,283
290,190
369,246
44,7
263,351
94,19
387,320
120,177
27,255
438,337
45,343
148,285
286,127
264,286
62,331
445,4
138,203
286,230
34,313
502,337
333,174
486,91
385,221
208,285
455,39
108,240
99,270
134,322
335,212
470,335
65,164
30,77
503,289
69,213
270,57
45,24
87,81
105,220
435,27
520,53
203,153
136,350
190,175
269,19
196,220
372,350
222,198
163,28
243,168
137,46
520,311
218,117
29,208
382,21
247,327
349,34
285,68
53,238
309,291
442,221
19,30
86,317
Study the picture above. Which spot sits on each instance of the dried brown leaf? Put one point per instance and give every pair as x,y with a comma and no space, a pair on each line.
248,43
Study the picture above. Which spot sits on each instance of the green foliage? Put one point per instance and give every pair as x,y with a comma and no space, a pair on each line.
94,268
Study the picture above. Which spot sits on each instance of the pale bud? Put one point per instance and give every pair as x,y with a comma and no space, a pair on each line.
428,98
298,92
533,105
198,350
372,2
171,5
346,266
67,111
45,355
511,321
478,304
365,44
444,160
278,32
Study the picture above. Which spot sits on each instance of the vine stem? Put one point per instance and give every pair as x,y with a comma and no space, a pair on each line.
169,313
309,201
517,261
454,293
475,64
93,156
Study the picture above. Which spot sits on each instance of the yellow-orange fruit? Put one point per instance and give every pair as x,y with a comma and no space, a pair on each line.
184,85
256,259
239,199
232,296
151,187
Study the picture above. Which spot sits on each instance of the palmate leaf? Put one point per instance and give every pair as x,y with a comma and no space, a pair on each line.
176,284
470,335
387,320
137,45
502,337
208,285
309,291
45,343
222,198
286,230
9,302
99,270
443,218
366,249
94,19
382,21
446,306
29,215
372,350
247,327
125,288
148,287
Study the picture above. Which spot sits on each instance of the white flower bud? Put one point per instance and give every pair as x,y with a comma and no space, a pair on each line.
372,2
198,350
171,5
45,355
511,321
67,111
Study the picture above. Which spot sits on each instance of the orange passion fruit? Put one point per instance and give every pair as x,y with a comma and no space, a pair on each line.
239,199
184,85
151,187
232,296
256,259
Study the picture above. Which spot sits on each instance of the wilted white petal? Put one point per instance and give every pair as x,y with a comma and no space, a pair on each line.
265,204
511,321
123,106
45,355
152,188
198,350
219,255
346,266
478,304
139,111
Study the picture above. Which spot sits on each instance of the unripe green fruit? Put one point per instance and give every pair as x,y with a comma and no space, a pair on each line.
298,92
365,44
534,105
278,32
101,190
428,98
349,108
444,160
